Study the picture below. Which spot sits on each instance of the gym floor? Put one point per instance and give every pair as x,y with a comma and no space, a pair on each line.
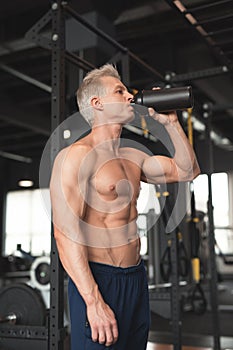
153,346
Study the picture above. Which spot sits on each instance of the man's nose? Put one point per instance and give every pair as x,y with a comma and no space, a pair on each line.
130,97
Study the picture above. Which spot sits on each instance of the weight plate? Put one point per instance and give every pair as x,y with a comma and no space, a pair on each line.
40,273
23,301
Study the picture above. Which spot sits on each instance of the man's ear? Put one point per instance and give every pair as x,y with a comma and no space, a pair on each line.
96,103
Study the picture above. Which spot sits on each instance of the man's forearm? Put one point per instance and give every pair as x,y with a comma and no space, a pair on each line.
74,258
184,156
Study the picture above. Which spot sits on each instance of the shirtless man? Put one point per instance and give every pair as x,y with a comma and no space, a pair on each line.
94,187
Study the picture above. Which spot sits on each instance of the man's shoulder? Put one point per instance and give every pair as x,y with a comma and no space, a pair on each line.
74,152
79,147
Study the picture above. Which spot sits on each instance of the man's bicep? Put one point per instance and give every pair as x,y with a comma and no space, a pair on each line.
159,169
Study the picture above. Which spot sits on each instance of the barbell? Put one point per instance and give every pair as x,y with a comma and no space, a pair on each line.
22,305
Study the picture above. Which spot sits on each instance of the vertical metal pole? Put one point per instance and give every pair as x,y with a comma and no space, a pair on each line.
213,271
175,301
2,206
151,246
56,327
175,291
157,255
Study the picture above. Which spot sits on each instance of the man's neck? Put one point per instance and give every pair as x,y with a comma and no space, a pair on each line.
107,136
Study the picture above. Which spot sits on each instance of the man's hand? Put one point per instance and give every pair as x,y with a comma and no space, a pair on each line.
164,119
103,323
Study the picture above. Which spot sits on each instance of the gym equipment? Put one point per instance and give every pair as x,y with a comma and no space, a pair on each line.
182,257
165,100
40,273
198,300
21,304
194,300
196,297
165,263
183,260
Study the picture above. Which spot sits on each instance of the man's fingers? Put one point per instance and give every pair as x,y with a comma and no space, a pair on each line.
102,336
115,332
103,324
94,334
105,335
109,337
151,112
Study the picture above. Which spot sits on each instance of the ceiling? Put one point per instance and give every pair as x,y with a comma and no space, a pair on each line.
187,42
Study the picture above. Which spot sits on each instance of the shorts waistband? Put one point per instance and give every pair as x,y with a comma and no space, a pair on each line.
105,268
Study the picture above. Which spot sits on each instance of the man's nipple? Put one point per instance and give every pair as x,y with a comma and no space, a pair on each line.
112,187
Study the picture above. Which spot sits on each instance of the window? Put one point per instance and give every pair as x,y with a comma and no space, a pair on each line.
147,200
220,196
27,222
221,211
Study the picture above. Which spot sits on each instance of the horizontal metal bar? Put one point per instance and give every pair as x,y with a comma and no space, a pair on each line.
26,78
15,46
223,43
24,332
198,74
213,19
207,6
220,31
222,107
18,120
79,61
140,132
16,157
25,145
18,135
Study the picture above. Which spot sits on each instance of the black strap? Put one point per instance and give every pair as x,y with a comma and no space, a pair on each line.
183,260
165,264
198,300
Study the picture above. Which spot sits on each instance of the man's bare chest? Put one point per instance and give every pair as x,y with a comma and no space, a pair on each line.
116,177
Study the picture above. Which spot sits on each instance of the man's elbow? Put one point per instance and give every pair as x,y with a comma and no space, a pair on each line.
193,173
59,234
189,175
196,172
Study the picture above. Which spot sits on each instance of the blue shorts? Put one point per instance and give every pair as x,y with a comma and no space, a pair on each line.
125,290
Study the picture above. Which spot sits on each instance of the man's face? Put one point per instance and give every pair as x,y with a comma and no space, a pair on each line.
116,102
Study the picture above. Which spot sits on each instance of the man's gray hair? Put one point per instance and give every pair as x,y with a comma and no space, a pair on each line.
93,86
